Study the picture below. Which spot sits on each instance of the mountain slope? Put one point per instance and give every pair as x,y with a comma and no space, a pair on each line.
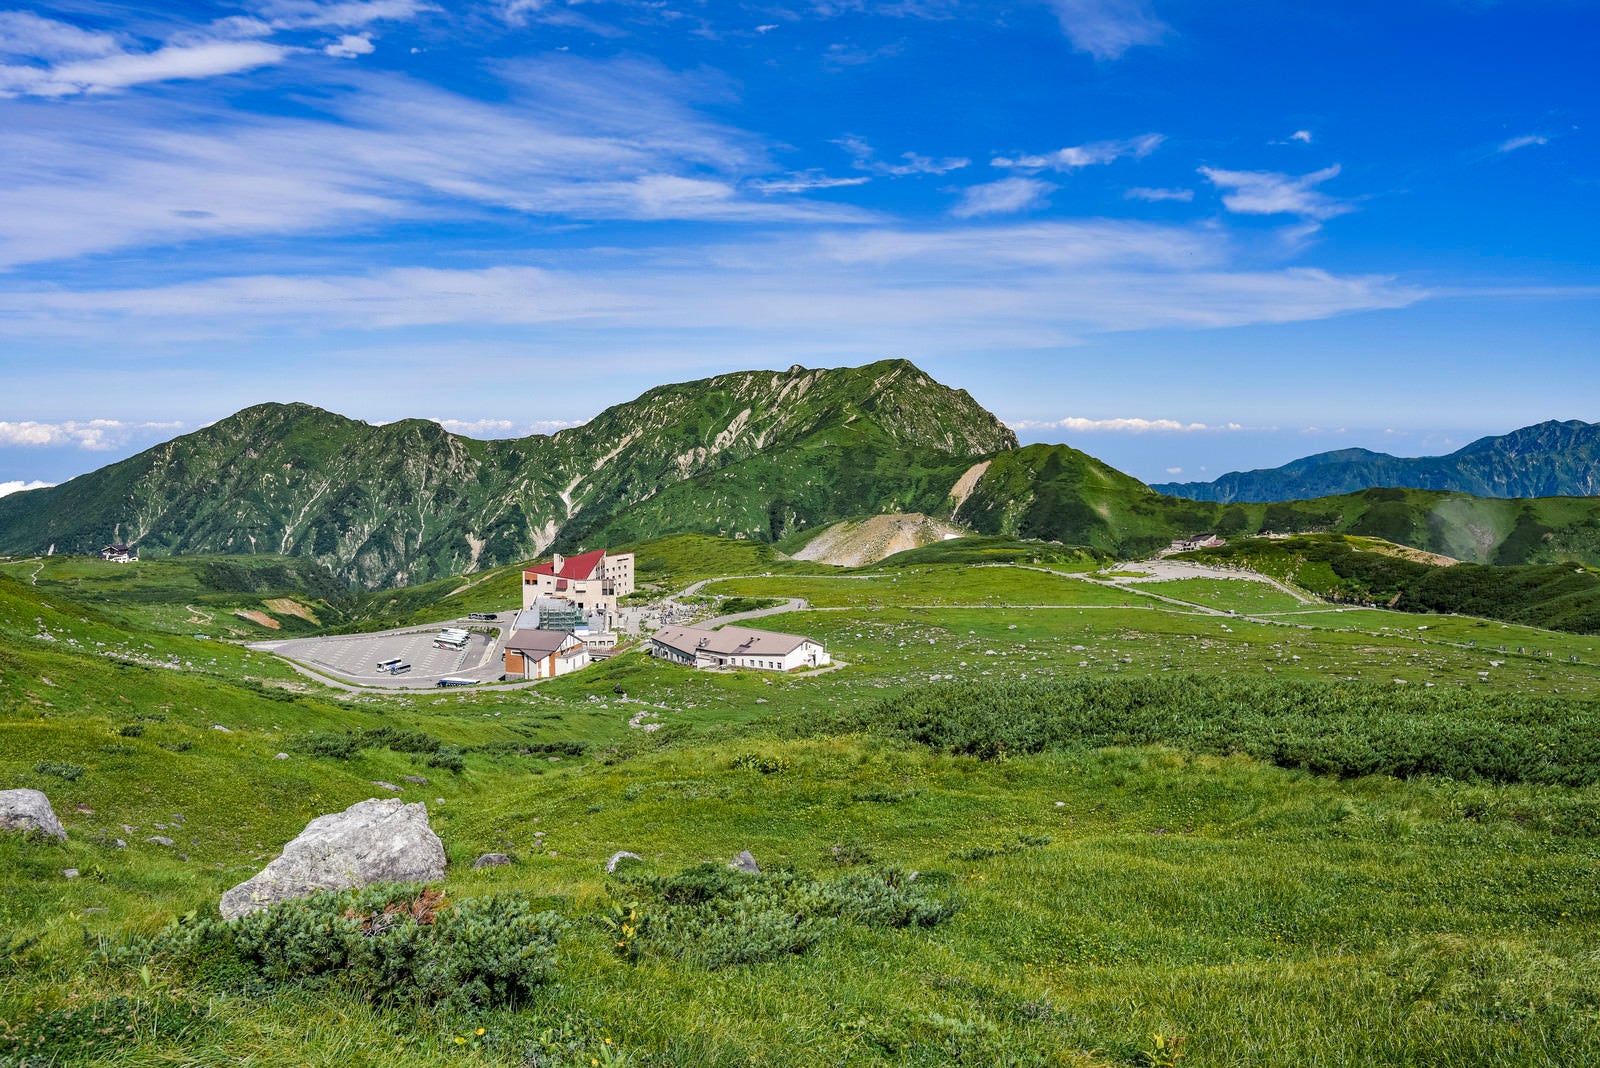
1551,459
408,501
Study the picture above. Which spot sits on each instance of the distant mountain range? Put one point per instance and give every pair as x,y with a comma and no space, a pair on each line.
760,455
1554,459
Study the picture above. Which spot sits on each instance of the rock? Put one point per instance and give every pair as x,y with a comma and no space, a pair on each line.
618,857
29,810
491,860
418,779
220,727
161,840
386,785
281,756
120,844
70,873
746,863
375,841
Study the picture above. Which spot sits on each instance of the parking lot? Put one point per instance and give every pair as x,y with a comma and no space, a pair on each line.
355,657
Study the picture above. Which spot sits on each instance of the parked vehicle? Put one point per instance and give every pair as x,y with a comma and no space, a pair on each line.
398,669
386,665
484,617
447,681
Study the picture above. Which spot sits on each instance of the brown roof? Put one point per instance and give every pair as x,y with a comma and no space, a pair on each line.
538,643
730,641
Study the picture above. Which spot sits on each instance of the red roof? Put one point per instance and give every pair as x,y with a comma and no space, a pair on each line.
576,568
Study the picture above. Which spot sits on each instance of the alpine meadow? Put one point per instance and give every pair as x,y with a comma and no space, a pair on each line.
799,533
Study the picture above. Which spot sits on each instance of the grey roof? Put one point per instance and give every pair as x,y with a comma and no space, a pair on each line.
538,642
730,641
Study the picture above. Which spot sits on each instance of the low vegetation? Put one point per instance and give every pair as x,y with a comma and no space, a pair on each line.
1034,821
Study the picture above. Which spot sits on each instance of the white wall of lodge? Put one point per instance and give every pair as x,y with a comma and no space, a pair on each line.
806,654
599,591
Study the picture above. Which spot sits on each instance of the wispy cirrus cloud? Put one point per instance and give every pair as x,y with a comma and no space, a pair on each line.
1080,425
1525,141
1005,197
1106,29
956,288
96,434
865,158
805,182
1155,196
1078,156
337,14
573,139
1269,193
18,485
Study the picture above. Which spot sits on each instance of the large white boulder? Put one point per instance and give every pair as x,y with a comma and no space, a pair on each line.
377,841
29,810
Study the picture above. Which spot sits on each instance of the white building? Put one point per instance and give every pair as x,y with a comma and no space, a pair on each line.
592,582
544,654
737,647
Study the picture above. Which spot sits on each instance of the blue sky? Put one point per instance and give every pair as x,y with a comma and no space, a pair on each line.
1184,236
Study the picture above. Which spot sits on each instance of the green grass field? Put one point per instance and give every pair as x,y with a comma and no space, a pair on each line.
1107,893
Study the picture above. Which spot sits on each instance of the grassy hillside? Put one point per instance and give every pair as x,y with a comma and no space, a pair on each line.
1365,571
407,502
1209,863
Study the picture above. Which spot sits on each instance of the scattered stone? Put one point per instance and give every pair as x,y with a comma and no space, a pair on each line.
120,844
161,840
281,756
491,860
29,810
418,779
386,785
85,810
220,727
375,841
94,911
618,857
746,863
70,873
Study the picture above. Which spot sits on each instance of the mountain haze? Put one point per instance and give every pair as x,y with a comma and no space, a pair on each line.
1551,459
409,501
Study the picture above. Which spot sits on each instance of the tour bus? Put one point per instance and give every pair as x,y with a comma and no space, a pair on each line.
483,617
448,681
452,639
386,665
399,668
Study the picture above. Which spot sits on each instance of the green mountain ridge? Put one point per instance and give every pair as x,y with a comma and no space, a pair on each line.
1550,459
408,501
754,455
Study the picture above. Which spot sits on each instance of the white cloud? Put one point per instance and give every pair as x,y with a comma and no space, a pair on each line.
120,71
572,138
1174,470
804,182
912,162
21,486
91,434
957,288
1004,197
1525,141
478,428
351,45
28,36
1108,28
1267,193
340,14
768,28
1078,156
1303,136
1080,425
1156,195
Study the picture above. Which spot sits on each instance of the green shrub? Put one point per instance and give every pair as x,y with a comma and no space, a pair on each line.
61,770
332,746
387,944
449,758
716,917
131,730
1348,729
